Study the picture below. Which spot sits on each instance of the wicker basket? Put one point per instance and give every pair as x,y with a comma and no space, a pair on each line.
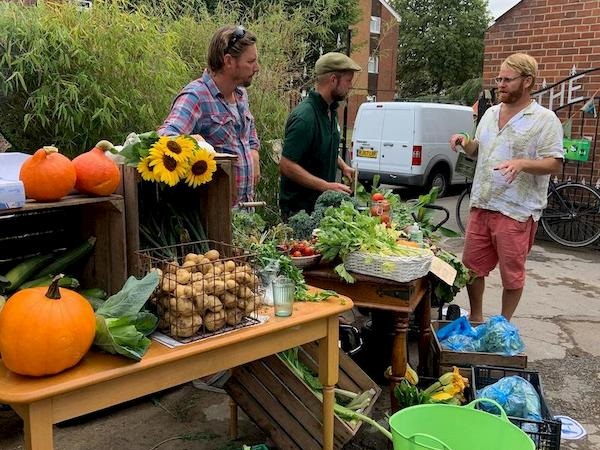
396,268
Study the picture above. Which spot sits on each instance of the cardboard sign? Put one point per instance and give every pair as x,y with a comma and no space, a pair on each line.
443,270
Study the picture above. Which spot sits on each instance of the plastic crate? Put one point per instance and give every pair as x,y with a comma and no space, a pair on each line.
547,436
577,149
465,165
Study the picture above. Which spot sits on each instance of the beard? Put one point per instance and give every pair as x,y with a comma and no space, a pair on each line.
514,96
337,96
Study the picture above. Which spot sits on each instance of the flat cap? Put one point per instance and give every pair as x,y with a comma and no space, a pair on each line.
335,62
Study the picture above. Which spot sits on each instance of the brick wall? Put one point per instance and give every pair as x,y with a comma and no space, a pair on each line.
560,34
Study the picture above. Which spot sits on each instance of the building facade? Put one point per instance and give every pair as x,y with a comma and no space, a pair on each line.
564,37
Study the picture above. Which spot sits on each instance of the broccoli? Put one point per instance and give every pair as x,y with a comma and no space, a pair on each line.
333,198
302,224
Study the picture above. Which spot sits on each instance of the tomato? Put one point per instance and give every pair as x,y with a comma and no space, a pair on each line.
377,197
308,251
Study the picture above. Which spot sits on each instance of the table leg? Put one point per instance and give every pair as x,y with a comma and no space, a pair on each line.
328,375
399,355
37,419
424,313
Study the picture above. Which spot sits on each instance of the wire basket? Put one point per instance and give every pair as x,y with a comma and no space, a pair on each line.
205,288
396,268
545,433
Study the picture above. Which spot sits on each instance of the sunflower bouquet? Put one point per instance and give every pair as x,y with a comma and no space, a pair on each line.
170,159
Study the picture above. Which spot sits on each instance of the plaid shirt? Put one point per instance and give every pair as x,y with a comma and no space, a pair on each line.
200,108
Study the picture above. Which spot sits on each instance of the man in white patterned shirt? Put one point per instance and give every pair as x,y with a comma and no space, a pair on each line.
518,144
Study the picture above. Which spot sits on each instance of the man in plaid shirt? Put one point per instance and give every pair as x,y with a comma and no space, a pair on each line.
215,106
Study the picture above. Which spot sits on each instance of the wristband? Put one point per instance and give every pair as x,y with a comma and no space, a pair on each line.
467,138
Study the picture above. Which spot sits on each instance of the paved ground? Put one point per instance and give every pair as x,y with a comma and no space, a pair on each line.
559,319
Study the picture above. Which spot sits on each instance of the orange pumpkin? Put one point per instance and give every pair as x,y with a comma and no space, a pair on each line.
44,331
97,174
47,175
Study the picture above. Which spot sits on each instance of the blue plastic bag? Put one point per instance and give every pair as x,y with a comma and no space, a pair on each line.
516,395
500,336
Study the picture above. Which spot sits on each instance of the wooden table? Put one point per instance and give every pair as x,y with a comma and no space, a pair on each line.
401,299
101,380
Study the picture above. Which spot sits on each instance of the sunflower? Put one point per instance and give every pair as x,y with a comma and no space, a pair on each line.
202,167
166,168
180,148
146,171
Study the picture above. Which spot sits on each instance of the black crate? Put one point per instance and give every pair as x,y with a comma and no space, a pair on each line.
547,436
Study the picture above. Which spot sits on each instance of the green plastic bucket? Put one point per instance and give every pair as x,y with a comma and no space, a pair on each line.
449,427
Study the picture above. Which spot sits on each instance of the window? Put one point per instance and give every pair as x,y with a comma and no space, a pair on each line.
375,25
374,64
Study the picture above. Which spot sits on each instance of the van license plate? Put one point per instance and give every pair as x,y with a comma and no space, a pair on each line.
367,153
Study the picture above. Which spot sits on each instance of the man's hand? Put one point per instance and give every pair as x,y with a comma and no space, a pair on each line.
256,165
510,169
339,187
458,139
348,172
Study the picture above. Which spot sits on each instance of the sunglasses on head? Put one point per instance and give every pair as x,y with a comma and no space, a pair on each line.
237,34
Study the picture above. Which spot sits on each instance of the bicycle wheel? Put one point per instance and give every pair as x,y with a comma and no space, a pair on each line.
572,216
462,209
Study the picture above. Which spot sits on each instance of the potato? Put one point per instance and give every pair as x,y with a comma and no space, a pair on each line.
250,305
198,300
212,255
191,257
240,277
183,276
214,320
190,266
218,287
197,276
183,291
171,266
231,285
244,292
217,270
168,283
209,285
220,265
228,276
212,303
181,306
158,271
229,266
253,281
233,316
206,268
229,300
186,326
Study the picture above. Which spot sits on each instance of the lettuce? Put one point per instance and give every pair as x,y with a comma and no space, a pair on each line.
121,325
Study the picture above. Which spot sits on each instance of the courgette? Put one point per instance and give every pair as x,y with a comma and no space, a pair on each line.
94,292
68,259
66,282
24,270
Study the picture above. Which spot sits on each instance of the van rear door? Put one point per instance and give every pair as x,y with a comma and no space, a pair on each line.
367,138
397,140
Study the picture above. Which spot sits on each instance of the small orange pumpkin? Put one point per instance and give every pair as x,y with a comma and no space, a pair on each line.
47,175
44,331
97,174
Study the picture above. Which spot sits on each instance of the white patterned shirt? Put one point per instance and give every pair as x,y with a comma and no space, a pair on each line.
533,133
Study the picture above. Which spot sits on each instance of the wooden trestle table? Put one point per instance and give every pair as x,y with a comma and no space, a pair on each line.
401,299
101,380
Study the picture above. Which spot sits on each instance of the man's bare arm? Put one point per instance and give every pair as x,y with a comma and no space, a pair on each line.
301,176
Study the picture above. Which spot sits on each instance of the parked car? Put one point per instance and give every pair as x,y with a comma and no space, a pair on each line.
406,143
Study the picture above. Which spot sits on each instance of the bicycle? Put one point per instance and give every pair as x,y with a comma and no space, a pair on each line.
571,217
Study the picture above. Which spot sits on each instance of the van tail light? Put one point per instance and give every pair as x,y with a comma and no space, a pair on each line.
416,155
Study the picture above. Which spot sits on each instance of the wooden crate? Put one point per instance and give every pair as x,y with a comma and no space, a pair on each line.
43,227
443,360
213,200
285,408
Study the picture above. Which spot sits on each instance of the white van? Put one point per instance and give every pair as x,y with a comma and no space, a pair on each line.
407,143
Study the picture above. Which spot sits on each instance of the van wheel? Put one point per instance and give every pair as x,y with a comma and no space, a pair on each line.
439,179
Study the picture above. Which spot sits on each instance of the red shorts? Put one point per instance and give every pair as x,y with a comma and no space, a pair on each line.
493,238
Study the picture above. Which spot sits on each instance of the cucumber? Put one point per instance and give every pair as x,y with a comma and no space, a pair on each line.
24,270
66,282
68,259
94,292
